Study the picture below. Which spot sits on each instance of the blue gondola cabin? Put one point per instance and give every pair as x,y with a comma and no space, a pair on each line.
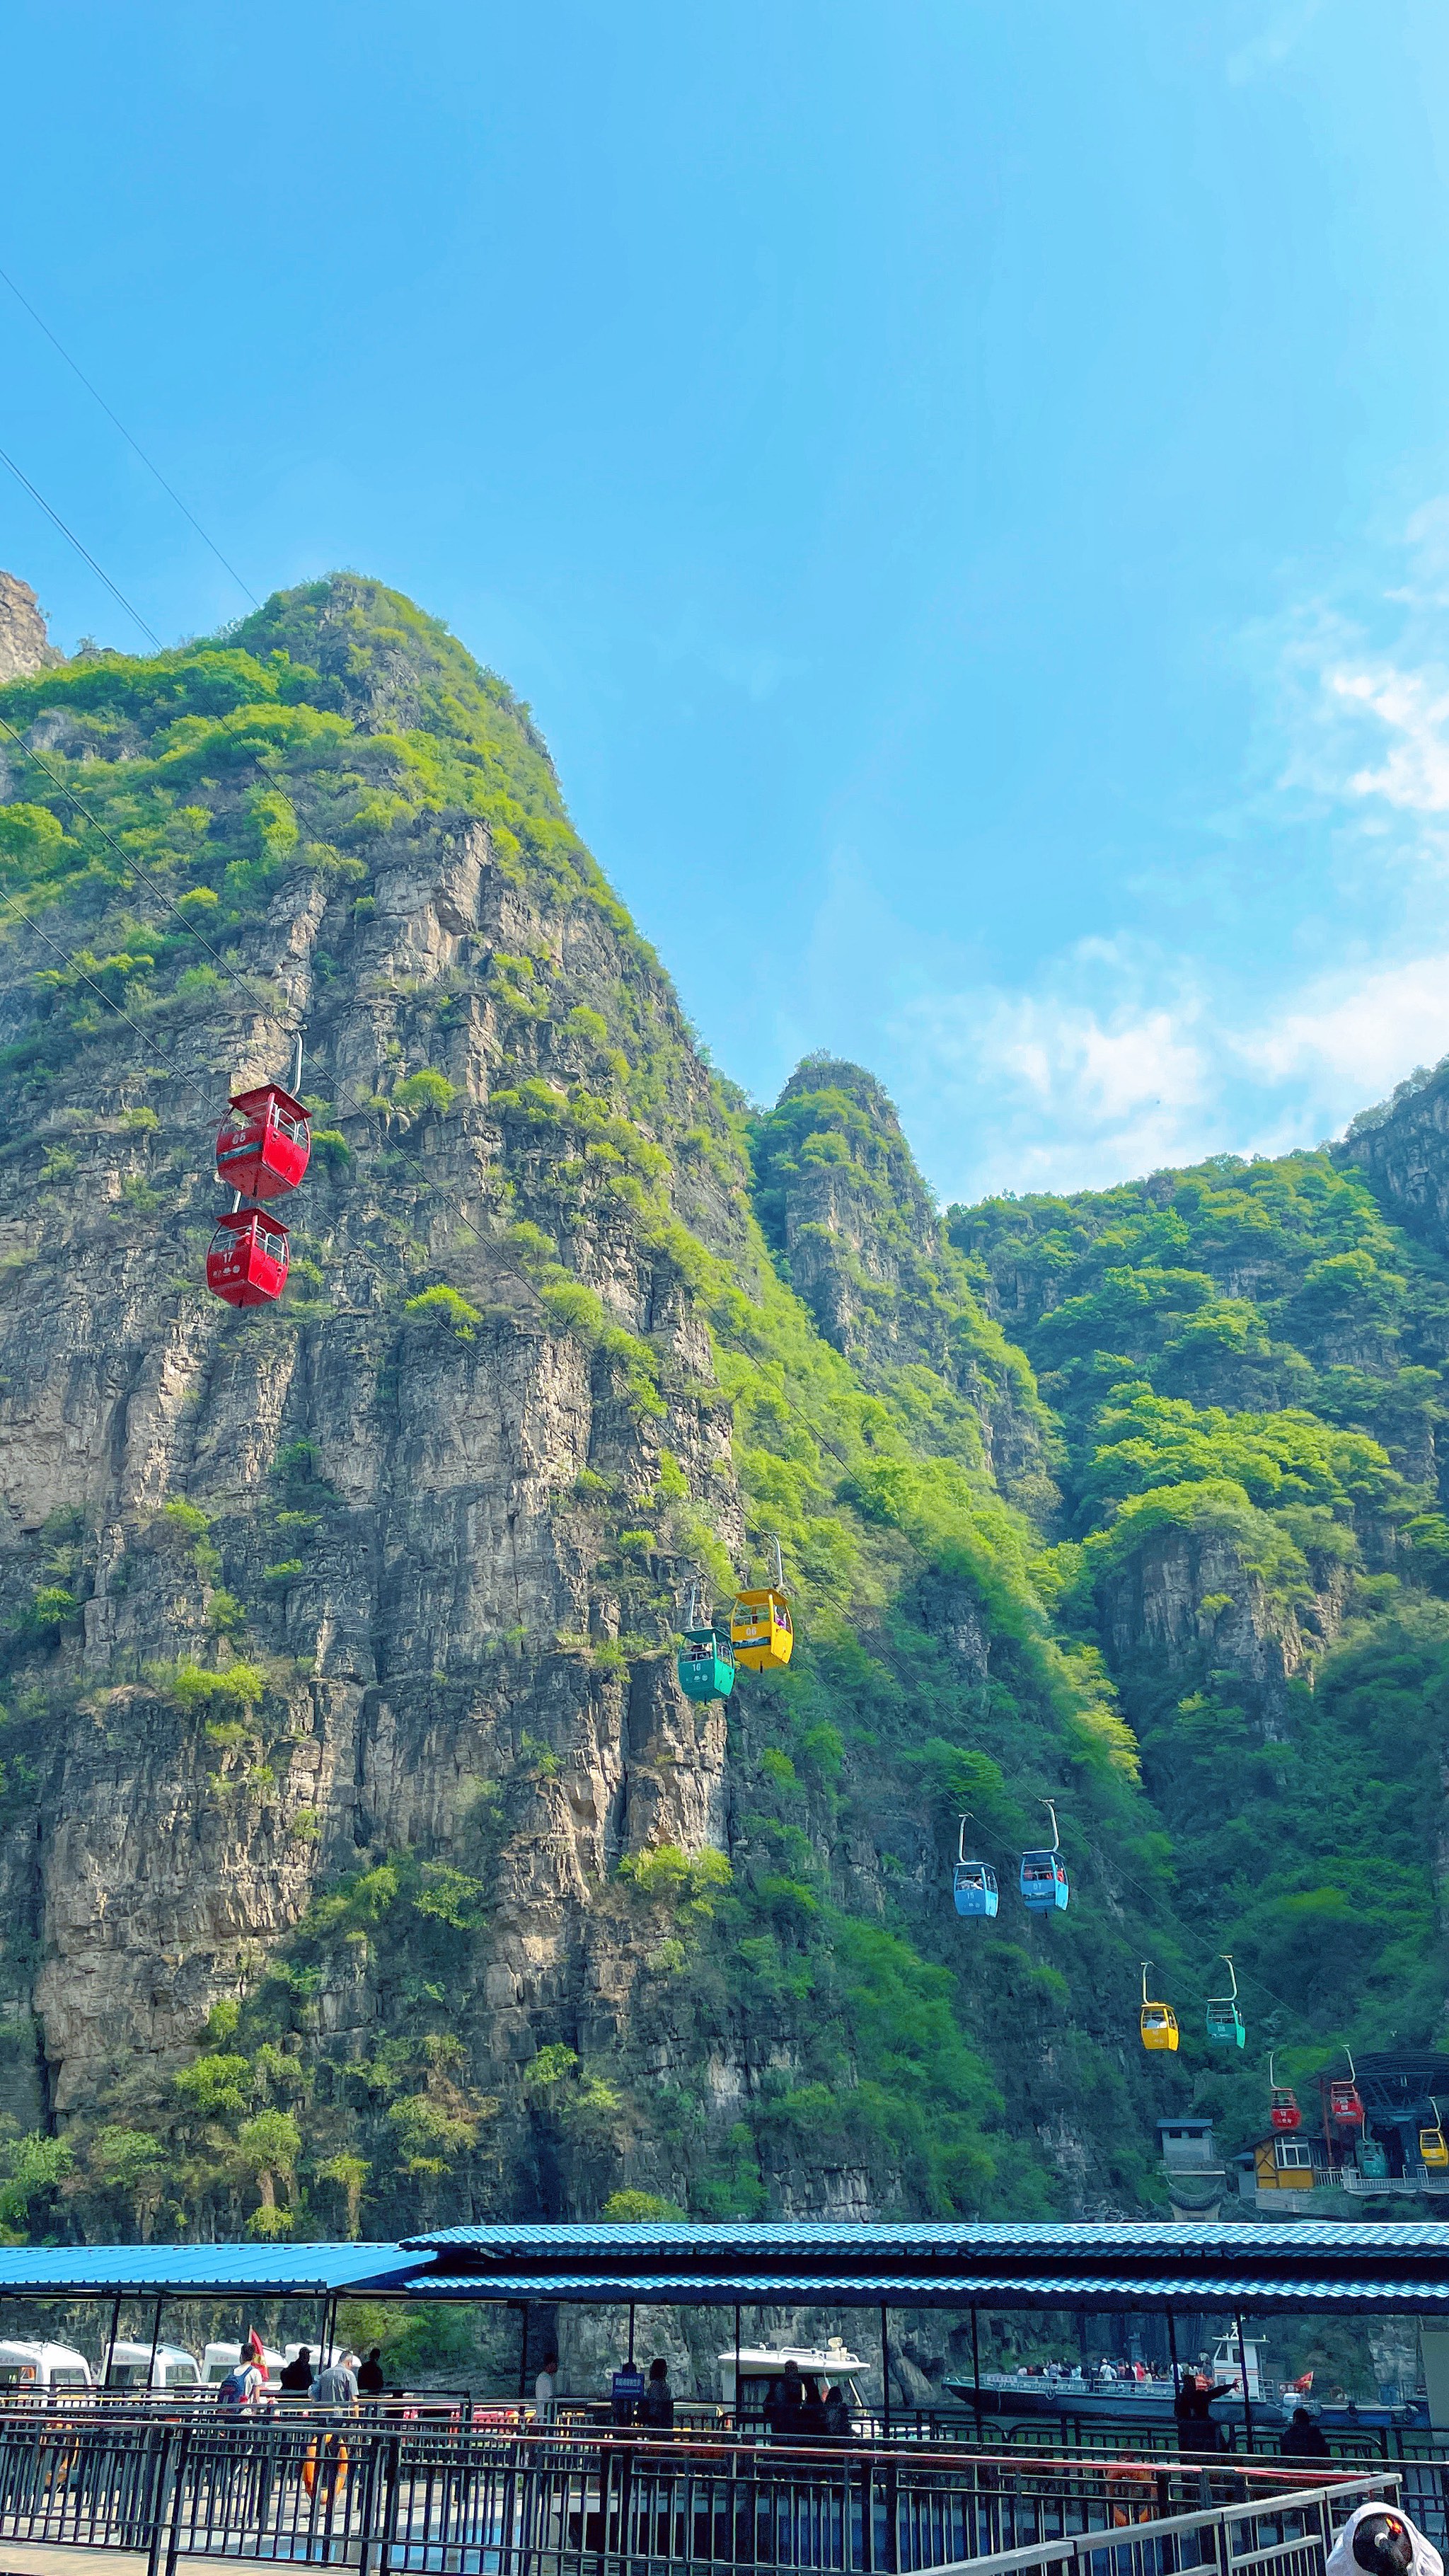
706,1664
1044,1882
975,1888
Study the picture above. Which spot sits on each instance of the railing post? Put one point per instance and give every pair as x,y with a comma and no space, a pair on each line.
158,2503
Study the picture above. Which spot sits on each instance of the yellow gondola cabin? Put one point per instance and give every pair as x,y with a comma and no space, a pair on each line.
1158,2025
760,1629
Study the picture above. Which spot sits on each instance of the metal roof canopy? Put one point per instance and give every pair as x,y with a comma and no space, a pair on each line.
262,2271
1304,2265
1123,2265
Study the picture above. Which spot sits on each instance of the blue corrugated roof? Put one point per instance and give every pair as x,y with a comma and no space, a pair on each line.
935,2236
1228,2290
263,2270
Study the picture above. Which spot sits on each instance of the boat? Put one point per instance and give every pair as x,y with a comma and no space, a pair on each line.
829,2364
1028,2396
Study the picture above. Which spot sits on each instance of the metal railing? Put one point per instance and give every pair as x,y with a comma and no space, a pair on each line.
1270,2535
416,2499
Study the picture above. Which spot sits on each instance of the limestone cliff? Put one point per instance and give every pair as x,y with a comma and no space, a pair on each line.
24,643
362,1861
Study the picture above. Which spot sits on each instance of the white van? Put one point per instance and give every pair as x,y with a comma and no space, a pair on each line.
219,2358
34,2369
132,2368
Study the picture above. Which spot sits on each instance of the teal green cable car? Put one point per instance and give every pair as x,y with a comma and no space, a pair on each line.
1225,2023
706,1664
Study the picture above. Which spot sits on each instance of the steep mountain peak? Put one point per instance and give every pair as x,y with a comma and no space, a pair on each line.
383,661
857,1232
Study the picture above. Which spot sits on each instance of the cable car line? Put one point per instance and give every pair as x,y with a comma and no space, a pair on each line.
72,539
85,978
155,470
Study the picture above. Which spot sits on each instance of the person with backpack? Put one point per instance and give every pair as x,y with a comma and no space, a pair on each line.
246,2378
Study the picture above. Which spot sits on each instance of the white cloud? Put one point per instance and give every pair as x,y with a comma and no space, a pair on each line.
1355,1040
1413,706
1052,1090
1117,1056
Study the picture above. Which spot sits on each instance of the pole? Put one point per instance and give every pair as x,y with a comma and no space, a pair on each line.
737,2370
111,2339
1243,2367
155,2339
631,2334
976,2371
1172,2348
523,2349
885,2378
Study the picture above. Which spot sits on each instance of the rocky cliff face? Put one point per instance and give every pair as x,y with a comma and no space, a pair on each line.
24,644
1404,1148
362,1859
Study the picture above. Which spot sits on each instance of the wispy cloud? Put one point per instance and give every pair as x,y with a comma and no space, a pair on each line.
1121,1055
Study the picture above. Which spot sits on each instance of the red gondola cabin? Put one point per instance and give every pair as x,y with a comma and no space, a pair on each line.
1344,2105
264,1147
1283,2111
247,1262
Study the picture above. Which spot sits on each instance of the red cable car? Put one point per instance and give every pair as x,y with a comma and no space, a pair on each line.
247,1262
1344,2105
269,1150
1283,2111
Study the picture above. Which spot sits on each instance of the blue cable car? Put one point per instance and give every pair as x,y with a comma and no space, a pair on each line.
1225,2024
706,1659
974,1882
1044,1888
706,1664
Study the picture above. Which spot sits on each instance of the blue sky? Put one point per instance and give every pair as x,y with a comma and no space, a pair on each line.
964,485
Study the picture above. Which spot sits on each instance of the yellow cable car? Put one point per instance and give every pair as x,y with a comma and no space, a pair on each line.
760,1629
1159,2021
1433,2147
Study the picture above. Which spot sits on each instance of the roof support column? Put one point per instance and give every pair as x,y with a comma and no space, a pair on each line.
1243,2367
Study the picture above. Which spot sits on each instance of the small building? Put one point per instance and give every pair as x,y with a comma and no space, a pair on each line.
1196,2180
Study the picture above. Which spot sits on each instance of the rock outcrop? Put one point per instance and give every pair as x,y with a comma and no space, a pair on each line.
24,644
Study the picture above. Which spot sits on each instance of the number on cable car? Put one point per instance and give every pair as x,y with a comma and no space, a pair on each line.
1159,2022
1225,2025
1044,1886
263,1148
1283,2111
247,1262
973,1883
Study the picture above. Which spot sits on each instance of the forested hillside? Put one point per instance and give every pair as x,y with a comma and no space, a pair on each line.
363,1864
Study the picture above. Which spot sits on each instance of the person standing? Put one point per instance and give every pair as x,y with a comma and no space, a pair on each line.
370,2382
656,2408
1303,2438
545,2390
296,2379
